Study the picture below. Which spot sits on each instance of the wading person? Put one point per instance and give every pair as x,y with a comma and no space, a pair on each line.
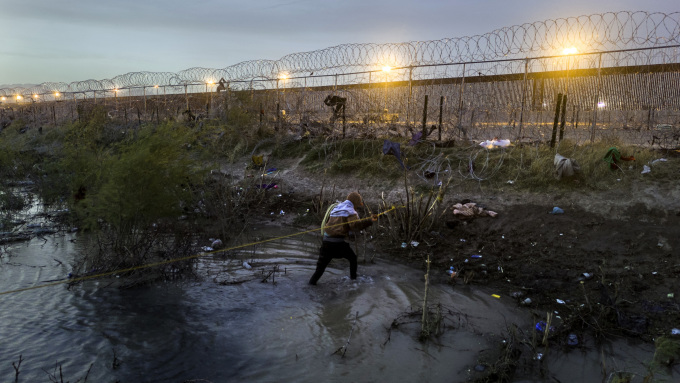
343,219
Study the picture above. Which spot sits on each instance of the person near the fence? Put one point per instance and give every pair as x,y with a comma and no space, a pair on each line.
343,219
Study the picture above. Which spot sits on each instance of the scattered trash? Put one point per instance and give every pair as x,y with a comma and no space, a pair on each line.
393,148
268,186
270,171
671,295
572,340
451,270
471,209
476,256
246,265
560,301
495,143
556,210
258,160
462,240
614,157
466,260
539,356
480,368
207,248
415,139
517,294
659,160
414,243
587,275
675,331
541,326
526,301
565,167
646,169
496,296
654,273
403,245
216,244
282,212
511,182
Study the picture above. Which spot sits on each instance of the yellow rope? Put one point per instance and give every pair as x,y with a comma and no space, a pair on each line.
326,216
145,266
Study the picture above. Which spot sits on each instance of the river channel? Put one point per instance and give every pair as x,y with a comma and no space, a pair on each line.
235,324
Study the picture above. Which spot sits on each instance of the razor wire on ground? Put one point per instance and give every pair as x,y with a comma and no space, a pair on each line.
620,76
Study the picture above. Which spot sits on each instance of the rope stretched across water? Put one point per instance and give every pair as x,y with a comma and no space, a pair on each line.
169,261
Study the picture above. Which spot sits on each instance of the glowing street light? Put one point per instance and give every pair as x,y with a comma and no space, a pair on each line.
283,76
56,94
569,51
19,97
386,68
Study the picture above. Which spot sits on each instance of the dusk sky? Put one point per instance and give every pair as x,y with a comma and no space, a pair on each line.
71,40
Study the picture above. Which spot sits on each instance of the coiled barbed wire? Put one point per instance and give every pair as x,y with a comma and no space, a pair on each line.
598,32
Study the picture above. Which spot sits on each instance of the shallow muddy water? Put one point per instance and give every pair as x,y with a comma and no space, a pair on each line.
231,326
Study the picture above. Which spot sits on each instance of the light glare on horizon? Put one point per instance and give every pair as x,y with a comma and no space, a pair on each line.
570,51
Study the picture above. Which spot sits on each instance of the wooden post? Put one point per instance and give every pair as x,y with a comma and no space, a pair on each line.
564,110
441,110
597,99
186,95
524,93
344,121
410,95
558,104
278,116
460,101
424,127
424,328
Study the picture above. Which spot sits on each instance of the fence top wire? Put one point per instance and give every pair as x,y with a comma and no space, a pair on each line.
604,32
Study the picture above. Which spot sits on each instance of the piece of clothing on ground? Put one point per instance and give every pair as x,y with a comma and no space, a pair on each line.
614,157
565,167
393,148
470,210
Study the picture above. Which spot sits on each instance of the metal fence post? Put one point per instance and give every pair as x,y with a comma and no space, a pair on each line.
597,98
524,92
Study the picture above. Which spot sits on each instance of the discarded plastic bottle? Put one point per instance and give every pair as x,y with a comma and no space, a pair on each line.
451,270
572,340
556,210
246,265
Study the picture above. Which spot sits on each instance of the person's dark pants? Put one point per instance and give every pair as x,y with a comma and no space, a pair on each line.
331,250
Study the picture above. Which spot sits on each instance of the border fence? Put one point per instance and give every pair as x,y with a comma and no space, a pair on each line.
588,76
